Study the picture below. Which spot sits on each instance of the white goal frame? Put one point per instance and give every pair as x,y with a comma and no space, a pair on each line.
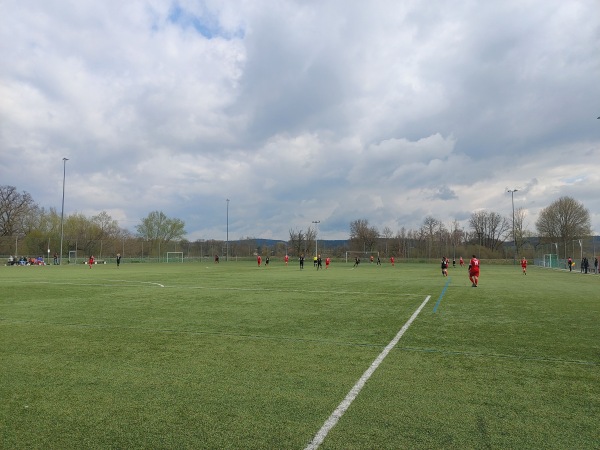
361,255
172,259
548,258
72,258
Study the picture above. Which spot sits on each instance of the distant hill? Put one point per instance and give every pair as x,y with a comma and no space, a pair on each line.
327,243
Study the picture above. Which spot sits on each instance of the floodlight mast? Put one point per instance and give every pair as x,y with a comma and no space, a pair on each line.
316,222
62,211
512,198
227,246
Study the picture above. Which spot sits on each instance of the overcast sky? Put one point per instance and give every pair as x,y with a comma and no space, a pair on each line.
298,111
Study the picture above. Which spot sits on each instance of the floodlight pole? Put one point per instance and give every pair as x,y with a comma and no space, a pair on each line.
512,198
227,246
316,222
62,211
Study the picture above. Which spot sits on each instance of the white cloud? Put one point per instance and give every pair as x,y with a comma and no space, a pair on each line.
299,111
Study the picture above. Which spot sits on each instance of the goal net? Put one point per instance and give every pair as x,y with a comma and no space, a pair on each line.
72,257
551,260
175,257
364,256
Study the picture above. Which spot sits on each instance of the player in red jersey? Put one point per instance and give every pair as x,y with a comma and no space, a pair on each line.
91,261
461,261
327,262
524,265
474,271
392,260
286,259
258,260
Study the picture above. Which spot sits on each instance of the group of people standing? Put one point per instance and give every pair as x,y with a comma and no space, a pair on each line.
317,261
585,264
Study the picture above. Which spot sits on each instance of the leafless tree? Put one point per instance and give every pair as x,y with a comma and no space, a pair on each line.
490,228
520,232
387,234
429,232
297,241
14,209
362,236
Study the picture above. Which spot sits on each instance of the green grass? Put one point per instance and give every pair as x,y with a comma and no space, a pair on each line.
233,356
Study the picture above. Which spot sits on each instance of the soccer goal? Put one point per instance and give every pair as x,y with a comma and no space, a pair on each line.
551,260
175,257
364,256
72,256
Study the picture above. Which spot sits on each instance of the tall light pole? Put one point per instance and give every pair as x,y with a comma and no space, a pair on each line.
227,246
62,211
512,198
316,222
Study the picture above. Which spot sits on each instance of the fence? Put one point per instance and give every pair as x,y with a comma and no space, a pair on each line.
76,250
557,254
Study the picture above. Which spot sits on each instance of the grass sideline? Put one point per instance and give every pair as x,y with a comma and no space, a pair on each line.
232,356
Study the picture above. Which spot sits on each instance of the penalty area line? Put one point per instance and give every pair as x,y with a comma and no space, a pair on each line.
345,404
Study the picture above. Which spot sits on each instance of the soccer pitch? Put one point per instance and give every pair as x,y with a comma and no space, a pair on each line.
232,356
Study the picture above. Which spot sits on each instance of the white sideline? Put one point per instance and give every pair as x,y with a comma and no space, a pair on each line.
345,404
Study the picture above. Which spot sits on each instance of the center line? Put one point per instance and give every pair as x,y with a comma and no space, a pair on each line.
345,404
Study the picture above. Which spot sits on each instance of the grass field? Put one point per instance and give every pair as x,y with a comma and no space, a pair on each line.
231,356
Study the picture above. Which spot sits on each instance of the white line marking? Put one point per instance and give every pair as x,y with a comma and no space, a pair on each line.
345,404
130,283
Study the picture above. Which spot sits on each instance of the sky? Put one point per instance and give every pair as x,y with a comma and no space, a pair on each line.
252,118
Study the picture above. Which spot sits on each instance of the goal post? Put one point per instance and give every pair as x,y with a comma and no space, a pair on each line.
72,257
174,257
361,255
551,260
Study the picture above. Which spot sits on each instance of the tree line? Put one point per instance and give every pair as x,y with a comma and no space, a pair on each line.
488,232
40,229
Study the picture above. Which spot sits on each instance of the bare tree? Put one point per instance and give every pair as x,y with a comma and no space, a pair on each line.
362,236
498,229
456,236
520,231
310,236
400,243
386,234
14,208
490,228
297,241
428,232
